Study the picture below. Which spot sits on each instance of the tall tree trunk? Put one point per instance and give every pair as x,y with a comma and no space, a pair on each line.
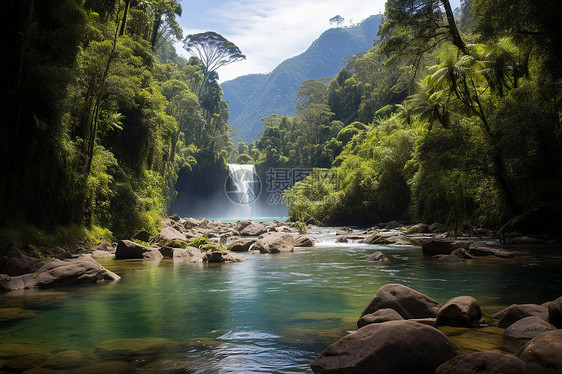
453,30
124,19
155,27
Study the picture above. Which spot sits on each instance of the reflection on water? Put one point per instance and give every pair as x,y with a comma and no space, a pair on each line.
271,313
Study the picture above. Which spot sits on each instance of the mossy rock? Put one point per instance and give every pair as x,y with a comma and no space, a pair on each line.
23,363
175,244
10,314
113,367
66,360
211,247
18,348
202,343
310,336
121,349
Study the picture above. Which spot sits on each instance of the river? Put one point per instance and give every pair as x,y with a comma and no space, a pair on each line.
272,313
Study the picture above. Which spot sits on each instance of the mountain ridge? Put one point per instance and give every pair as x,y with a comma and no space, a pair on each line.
254,96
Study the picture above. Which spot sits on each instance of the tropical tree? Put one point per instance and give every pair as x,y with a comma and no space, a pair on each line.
338,20
213,50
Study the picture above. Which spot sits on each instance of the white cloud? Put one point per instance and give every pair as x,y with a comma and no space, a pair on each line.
269,32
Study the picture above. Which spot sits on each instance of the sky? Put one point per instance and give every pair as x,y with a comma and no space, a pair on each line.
270,31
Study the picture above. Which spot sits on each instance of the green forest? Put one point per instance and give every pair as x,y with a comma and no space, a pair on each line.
99,117
453,116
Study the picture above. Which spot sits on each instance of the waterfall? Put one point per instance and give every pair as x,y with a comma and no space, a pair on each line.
243,187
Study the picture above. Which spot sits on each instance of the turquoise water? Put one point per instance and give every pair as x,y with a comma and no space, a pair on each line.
272,313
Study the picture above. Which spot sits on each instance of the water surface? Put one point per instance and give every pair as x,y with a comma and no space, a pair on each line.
272,313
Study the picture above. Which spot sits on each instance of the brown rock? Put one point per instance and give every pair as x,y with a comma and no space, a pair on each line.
66,360
241,245
377,257
388,347
407,302
275,243
483,250
483,363
459,311
127,249
189,254
555,312
169,234
253,229
125,349
23,363
381,315
222,256
442,246
143,235
420,228
528,328
303,241
515,312
542,354
61,273
18,263
113,367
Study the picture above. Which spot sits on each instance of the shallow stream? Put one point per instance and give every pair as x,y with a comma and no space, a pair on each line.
272,313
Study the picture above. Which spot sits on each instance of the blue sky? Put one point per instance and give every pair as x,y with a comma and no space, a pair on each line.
269,31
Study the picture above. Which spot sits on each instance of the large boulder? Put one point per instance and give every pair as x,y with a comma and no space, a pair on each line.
381,315
459,311
515,312
528,328
127,249
483,363
18,263
378,256
275,242
253,229
240,245
389,347
407,302
169,234
542,354
189,254
442,246
222,256
487,250
555,312
127,348
60,273
303,241
420,228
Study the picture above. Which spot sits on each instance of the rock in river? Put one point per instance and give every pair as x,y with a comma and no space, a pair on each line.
542,354
60,273
407,302
388,347
528,328
275,242
381,315
483,363
515,312
459,311
555,312
127,249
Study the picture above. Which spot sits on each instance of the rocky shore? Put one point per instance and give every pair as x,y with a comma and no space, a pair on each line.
400,331
181,239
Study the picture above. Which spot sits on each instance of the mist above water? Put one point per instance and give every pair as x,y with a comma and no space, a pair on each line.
240,195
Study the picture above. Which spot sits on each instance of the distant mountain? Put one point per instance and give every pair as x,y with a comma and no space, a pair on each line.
255,96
